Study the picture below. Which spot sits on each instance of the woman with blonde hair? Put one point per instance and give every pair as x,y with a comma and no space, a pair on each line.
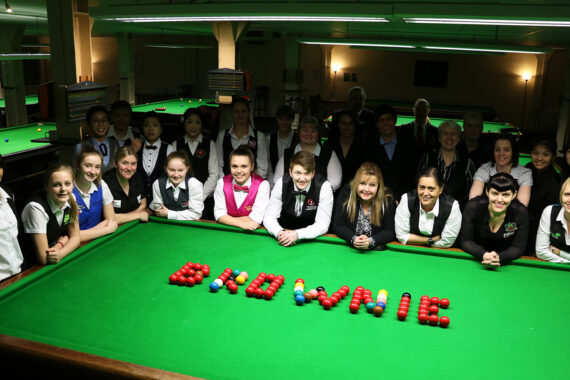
364,211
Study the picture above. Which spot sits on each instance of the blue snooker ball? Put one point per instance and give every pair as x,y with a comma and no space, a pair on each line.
299,299
214,287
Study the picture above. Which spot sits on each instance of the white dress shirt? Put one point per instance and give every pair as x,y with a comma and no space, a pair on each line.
334,168
210,183
425,223
11,257
543,237
322,218
128,136
35,219
195,199
259,205
150,156
262,161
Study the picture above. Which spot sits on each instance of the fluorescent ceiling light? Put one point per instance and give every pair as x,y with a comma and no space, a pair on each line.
370,44
467,21
18,56
484,50
163,46
248,18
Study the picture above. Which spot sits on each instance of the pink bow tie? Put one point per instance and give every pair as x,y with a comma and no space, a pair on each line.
241,188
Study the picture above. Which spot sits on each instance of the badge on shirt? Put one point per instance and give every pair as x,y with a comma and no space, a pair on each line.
248,208
510,229
555,235
185,204
252,143
80,208
117,203
66,219
311,205
200,153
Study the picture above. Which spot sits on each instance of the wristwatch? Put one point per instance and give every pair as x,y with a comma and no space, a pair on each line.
430,241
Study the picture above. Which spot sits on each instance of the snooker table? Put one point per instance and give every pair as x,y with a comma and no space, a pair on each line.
171,117
109,307
20,142
31,100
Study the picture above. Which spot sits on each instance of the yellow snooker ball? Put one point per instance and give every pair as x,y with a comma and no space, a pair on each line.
39,129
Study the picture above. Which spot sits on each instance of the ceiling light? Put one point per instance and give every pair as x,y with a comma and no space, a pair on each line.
467,21
485,50
367,44
248,18
8,7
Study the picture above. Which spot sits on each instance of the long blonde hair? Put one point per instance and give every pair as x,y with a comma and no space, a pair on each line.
72,203
367,169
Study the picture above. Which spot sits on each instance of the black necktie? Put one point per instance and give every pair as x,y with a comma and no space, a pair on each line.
103,150
150,147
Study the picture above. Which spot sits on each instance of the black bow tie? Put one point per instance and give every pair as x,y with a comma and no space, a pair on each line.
302,192
150,147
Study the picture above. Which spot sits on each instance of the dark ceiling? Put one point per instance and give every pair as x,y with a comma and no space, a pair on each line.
32,14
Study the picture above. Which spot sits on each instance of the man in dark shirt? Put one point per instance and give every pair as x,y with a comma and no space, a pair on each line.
364,117
421,131
393,154
472,144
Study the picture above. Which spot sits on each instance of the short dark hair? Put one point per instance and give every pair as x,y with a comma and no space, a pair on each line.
121,104
285,111
514,147
240,99
1,162
431,172
502,182
181,155
192,111
152,114
384,109
546,142
91,111
243,150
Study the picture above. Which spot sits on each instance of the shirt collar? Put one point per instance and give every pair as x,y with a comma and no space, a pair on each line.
316,151
560,218
247,183
187,139
250,132
305,189
53,207
3,194
156,143
393,141
181,185
434,211
92,189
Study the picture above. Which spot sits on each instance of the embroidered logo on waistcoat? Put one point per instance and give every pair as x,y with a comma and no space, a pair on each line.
200,153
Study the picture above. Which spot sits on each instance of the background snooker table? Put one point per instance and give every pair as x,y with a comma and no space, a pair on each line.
174,106
112,299
19,139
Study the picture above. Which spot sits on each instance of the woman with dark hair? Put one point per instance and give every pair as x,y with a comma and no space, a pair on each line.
241,132
505,159
326,160
545,188
347,146
97,119
364,210
495,225
426,215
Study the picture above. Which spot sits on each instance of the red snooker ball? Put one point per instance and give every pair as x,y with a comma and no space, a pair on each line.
434,301
444,321
197,266
433,320
327,304
190,281
423,318
181,280
433,309
444,303
258,293
334,300
268,294
353,308
249,291
172,279
402,314
198,279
